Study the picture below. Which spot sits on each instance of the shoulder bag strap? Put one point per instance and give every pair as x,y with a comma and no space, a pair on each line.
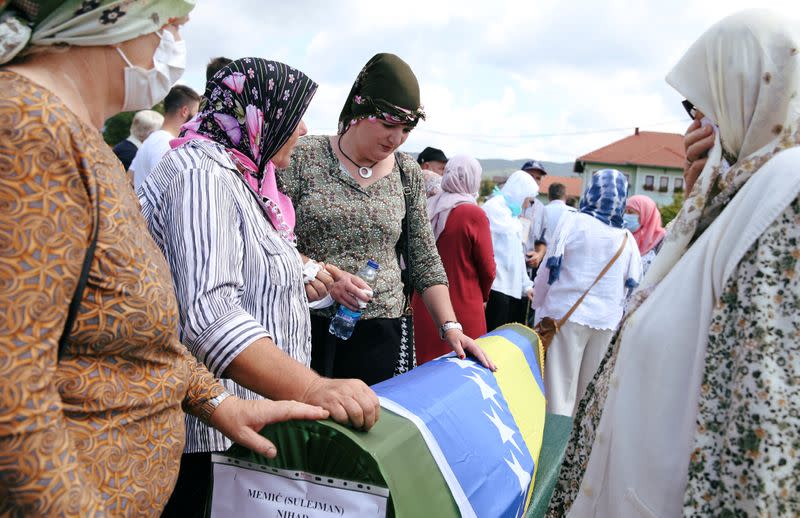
407,286
605,270
77,297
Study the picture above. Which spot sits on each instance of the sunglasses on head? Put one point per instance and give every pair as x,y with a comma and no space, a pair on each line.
690,108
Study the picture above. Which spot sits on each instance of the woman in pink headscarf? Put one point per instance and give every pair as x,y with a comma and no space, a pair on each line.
644,221
464,241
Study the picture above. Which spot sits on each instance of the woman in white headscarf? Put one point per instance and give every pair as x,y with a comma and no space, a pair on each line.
508,300
696,412
464,242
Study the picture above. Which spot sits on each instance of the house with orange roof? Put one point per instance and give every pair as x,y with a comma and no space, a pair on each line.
651,161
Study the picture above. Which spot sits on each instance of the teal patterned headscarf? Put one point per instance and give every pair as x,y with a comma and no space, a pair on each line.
27,23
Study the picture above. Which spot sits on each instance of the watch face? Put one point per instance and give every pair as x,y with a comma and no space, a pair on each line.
217,400
447,326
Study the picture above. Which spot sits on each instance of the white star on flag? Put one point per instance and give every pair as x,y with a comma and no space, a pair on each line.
486,391
464,364
523,476
506,432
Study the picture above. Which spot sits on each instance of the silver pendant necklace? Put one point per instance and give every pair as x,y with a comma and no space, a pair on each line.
363,171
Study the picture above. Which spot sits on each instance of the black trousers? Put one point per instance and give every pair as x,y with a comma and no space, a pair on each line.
370,354
502,309
192,489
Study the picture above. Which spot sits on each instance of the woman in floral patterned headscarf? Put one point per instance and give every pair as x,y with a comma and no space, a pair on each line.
696,411
350,206
214,209
93,375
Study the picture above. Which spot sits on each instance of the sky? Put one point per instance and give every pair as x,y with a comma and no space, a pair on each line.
549,80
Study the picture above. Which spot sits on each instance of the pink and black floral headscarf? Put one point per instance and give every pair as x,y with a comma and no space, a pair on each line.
253,106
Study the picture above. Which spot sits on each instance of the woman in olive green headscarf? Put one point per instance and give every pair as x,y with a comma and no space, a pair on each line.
349,201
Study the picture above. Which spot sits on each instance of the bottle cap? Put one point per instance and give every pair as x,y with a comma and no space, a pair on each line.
372,264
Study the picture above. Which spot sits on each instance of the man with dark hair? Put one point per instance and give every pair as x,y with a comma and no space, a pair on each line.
432,162
180,105
215,65
557,194
557,191
432,159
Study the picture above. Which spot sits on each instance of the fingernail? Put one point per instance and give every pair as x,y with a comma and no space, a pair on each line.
461,356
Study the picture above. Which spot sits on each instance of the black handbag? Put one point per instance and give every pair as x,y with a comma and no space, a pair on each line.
407,355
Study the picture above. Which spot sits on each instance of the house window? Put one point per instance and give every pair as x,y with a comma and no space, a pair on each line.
628,179
649,182
663,185
678,184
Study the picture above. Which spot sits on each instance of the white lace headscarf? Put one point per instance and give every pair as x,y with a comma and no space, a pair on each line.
744,74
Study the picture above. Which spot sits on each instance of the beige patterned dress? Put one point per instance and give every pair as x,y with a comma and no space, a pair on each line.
99,432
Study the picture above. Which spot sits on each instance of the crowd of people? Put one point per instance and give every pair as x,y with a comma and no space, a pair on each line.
171,296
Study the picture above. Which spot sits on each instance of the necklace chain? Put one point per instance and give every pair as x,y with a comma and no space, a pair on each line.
363,171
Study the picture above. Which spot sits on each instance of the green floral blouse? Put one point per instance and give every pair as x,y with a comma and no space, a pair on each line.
341,223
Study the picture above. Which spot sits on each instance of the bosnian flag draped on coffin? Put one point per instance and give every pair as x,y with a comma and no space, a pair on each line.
483,429
453,439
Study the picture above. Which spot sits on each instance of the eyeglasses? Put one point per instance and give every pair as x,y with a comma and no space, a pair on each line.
690,108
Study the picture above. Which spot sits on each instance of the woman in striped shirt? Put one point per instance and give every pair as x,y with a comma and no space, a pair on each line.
213,208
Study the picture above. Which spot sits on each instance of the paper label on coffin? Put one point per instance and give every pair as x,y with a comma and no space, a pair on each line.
248,490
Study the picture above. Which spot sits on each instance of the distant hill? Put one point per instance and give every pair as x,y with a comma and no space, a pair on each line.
500,167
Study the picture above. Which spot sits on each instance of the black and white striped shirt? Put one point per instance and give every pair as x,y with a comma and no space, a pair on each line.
236,279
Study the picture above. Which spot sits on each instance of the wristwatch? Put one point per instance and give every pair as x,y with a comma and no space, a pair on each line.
208,407
447,326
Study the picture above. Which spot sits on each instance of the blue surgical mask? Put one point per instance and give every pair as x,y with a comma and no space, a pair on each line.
516,208
631,222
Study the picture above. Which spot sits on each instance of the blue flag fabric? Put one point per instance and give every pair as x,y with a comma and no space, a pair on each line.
483,449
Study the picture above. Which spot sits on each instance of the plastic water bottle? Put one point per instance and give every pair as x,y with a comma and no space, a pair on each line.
345,320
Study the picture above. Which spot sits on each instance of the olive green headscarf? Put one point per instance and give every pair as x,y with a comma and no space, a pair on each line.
386,89
25,23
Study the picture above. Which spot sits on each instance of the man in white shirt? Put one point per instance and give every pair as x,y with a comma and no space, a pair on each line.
180,105
536,246
536,243
557,194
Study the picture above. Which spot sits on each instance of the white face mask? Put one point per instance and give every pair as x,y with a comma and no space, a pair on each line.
145,88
